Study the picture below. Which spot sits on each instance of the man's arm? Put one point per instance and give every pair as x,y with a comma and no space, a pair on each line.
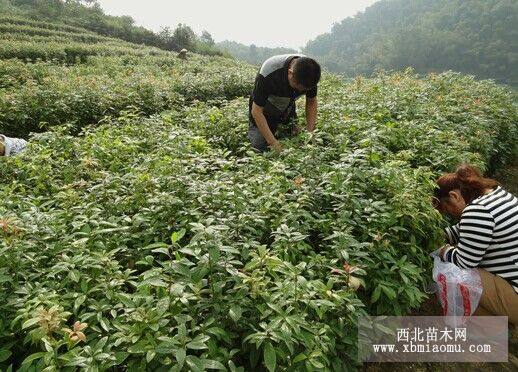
262,125
311,113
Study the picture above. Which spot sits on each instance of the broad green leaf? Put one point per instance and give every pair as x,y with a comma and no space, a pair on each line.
177,235
161,250
137,349
235,312
376,294
180,356
391,294
162,306
74,275
155,282
150,355
213,364
316,363
270,358
33,357
30,323
154,246
4,355
196,345
299,358
79,301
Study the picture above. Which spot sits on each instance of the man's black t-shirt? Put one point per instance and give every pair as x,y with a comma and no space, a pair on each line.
272,91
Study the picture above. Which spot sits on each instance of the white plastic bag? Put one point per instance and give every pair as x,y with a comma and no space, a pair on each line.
459,290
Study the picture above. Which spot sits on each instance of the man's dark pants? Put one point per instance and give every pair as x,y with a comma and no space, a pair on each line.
257,140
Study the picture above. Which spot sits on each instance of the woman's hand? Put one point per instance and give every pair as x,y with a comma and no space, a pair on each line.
443,251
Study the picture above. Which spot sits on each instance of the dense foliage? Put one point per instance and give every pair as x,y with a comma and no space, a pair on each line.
39,95
475,36
87,14
251,54
172,245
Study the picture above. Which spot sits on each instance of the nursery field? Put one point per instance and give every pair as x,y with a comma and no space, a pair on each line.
139,231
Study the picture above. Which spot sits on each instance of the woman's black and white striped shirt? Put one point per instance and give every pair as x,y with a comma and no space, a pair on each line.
487,236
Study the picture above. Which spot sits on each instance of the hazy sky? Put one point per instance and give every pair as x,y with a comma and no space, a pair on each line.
264,23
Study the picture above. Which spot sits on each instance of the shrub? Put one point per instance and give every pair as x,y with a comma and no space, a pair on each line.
46,94
166,243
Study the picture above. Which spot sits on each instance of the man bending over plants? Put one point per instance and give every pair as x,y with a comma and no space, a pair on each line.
280,82
11,146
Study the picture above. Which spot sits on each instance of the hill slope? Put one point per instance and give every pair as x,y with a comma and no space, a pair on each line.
78,77
472,36
87,14
27,39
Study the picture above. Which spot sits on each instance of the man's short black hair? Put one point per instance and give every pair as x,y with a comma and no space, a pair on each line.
306,72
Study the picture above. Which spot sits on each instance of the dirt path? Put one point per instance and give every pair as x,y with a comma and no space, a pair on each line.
509,180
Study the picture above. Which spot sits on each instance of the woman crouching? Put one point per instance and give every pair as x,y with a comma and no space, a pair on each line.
486,237
11,146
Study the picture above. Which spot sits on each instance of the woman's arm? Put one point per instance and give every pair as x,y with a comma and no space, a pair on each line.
475,235
452,234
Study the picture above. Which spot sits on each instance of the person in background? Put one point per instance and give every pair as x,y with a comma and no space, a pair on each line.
182,54
11,146
280,82
485,238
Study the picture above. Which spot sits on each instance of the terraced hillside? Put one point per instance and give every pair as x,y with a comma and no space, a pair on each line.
32,40
140,232
81,81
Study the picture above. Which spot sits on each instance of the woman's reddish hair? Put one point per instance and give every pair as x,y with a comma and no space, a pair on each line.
468,180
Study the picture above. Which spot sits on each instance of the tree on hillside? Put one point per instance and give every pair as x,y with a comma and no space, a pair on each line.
166,36
206,38
251,54
45,8
253,51
81,2
471,36
184,37
88,14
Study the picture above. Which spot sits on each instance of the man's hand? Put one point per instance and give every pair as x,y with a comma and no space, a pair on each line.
262,124
276,145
